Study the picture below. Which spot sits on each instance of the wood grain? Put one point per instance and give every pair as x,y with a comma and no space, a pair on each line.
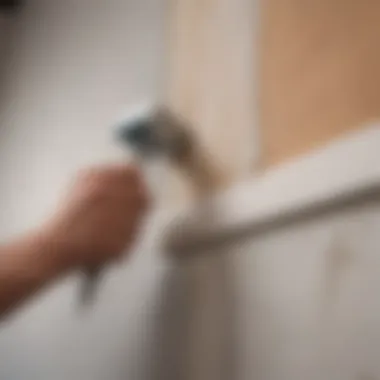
211,80
211,76
319,70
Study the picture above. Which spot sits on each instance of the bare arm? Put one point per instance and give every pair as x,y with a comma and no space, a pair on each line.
99,219
25,266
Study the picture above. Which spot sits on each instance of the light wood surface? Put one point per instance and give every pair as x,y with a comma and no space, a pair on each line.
319,70
318,79
211,77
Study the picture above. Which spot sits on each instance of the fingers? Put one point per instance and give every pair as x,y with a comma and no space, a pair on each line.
118,173
103,213
117,180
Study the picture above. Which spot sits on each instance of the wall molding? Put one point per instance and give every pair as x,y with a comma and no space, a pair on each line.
344,170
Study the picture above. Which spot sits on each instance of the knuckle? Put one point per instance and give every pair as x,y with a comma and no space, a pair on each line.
131,170
97,191
91,178
131,175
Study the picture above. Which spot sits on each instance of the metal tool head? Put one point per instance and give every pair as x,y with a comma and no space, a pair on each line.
152,131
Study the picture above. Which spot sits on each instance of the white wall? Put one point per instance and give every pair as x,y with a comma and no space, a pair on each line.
308,299
74,65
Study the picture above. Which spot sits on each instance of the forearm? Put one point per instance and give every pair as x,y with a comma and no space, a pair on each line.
26,265
97,223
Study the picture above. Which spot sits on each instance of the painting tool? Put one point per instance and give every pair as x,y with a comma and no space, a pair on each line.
154,132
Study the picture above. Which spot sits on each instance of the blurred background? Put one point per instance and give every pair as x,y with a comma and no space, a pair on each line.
68,70
284,98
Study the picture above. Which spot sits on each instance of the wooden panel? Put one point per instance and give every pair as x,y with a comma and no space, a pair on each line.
319,71
211,85
211,79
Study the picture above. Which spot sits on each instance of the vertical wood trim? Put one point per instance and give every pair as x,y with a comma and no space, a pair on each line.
211,86
211,79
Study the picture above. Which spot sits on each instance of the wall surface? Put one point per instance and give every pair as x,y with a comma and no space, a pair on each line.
319,76
72,67
308,300
303,254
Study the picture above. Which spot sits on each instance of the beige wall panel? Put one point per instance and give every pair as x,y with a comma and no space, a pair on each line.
319,71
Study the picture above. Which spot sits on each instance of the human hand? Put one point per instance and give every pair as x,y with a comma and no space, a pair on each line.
100,217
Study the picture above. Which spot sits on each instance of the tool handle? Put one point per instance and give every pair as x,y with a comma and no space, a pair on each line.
89,286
